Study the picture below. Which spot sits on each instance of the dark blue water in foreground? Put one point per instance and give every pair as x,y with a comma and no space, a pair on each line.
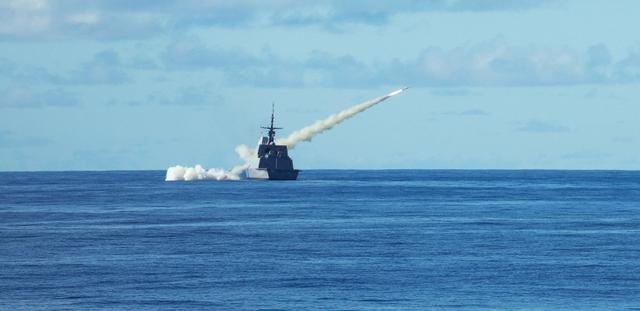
331,240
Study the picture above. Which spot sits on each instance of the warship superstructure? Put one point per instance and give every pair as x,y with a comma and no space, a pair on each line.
273,160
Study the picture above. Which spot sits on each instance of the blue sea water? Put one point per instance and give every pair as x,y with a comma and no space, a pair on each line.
333,240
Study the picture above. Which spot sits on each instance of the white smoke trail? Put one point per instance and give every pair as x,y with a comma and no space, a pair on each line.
249,155
307,133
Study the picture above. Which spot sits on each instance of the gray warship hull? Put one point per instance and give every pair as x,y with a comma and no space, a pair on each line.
271,174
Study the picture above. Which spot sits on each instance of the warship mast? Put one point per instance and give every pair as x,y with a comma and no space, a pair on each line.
271,129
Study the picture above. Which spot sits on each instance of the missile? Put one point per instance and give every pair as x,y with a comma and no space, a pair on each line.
396,92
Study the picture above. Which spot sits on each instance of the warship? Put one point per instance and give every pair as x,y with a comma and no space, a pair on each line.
273,161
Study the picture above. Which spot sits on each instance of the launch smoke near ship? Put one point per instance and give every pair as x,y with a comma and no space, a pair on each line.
271,155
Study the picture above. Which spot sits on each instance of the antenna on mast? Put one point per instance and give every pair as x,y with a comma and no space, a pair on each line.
271,128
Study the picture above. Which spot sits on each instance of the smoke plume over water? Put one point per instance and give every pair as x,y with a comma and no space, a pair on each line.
248,155
179,173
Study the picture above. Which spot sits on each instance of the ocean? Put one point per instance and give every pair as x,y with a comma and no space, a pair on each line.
333,240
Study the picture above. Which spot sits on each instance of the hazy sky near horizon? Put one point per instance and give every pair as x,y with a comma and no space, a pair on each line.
114,84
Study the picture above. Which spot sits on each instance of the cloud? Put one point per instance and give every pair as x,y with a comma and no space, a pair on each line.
13,72
266,69
496,63
104,68
629,67
26,97
142,62
191,53
117,19
536,126
187,97
38,19
286,76
492,63
240,68
23,18
333,15
493,5
341,71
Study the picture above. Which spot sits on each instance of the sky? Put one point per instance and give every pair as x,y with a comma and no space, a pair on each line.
128,85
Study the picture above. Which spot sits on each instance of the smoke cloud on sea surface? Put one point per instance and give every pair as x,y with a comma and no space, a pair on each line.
179,173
